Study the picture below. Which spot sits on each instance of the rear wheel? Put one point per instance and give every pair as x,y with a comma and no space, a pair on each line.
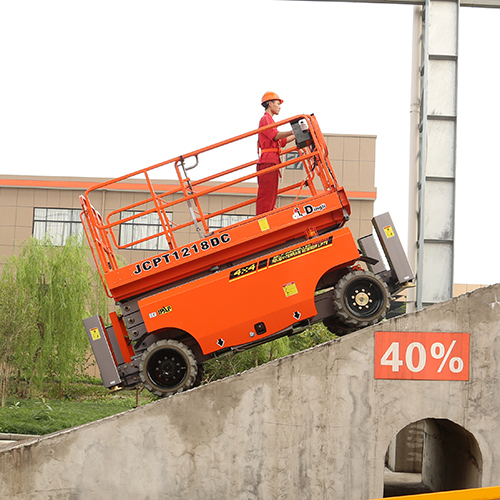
360,299
168,367
199,375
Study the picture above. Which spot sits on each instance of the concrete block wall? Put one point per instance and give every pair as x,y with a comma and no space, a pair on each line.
315,425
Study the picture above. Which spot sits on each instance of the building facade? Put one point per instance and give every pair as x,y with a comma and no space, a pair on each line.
37,205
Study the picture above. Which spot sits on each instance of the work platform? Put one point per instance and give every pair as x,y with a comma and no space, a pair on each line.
323,206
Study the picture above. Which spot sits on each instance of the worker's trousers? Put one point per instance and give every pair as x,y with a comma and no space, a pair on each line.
268,189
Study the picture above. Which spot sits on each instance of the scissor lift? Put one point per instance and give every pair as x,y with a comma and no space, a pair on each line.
238,286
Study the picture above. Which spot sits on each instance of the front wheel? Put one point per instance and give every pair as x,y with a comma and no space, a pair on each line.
360,299
335,326
168,367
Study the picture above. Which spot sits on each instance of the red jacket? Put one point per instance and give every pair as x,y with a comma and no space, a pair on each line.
266,141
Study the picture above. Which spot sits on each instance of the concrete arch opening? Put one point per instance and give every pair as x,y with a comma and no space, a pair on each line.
432,455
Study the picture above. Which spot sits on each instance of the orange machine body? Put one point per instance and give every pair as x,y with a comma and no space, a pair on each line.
228,288
225,245
275,290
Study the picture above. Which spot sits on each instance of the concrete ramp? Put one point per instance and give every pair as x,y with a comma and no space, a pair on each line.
315,425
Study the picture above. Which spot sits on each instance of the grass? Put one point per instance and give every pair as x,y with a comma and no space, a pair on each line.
85,402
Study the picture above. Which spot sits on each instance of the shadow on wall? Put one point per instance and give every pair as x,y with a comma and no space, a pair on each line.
432,455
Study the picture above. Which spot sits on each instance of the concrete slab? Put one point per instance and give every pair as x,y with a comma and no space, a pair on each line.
6,438
403,483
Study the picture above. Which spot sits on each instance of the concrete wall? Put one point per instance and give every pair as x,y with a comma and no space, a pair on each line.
452,458
315,425
405,452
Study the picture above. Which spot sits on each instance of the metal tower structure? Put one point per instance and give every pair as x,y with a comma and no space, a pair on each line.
431,219
437,147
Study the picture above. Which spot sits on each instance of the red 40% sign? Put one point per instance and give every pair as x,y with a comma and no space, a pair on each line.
422,356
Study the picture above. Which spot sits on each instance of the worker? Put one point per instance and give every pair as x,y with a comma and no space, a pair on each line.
270,143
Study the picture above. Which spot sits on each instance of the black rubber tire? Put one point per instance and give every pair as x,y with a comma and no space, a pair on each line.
334,325
168,367
199,375
360,299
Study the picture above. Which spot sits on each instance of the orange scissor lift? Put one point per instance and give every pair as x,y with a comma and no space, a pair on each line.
237,286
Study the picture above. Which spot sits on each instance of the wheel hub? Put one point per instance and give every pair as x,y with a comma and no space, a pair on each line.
361,298
364,298
167,368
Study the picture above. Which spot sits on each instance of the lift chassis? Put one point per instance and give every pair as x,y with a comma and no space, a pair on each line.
241,285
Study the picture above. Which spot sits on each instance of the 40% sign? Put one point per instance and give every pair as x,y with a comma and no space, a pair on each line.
422,355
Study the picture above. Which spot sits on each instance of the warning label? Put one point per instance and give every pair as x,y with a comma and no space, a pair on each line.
264,225
95,334
388,231
290,289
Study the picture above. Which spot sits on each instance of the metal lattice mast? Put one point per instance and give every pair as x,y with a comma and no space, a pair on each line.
437,151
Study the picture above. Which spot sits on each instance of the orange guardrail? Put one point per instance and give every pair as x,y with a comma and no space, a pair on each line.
315,160
103,232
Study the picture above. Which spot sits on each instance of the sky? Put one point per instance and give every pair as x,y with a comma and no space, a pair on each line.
102,88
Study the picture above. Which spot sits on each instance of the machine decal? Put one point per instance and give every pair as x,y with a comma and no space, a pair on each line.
166,258
95,334
389,231
153,315
297,315
243,271
298,252
308,210
247,270
220,342
164,310
264,224
290,289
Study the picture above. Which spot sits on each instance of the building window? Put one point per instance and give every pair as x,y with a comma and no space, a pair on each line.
294,166
58,223
142,227
220,221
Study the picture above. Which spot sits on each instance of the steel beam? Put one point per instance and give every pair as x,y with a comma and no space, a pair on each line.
463,3
413,207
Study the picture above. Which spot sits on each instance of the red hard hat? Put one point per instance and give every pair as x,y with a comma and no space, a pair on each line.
271,96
